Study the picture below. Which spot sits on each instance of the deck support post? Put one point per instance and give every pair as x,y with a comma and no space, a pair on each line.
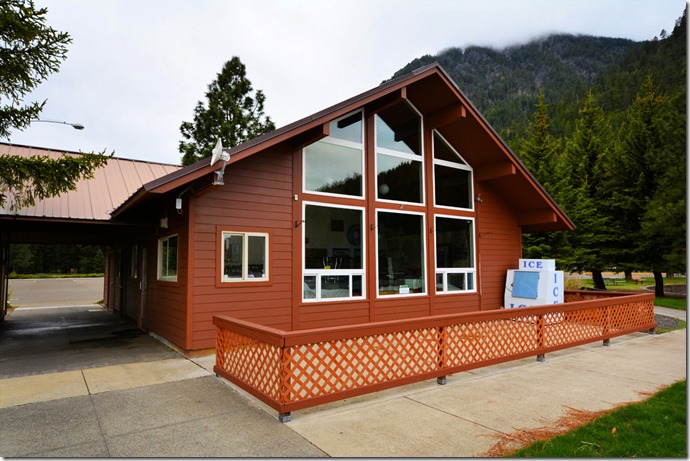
607,343
441,380
285,417
541,358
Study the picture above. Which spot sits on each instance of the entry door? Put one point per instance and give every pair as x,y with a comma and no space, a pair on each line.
142,289
131,282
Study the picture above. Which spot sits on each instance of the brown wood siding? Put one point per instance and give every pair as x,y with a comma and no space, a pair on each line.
498,248
256,197
165,311
456,303
322,315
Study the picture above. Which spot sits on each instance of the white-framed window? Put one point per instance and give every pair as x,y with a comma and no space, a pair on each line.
244,256
453,185
455,254
333,258
335,165
399,154
401,244
167,258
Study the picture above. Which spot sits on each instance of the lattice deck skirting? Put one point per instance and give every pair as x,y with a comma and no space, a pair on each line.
298,369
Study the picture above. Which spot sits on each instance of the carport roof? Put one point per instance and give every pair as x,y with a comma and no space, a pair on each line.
95,198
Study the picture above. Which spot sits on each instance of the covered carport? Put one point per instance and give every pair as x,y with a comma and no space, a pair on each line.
83,216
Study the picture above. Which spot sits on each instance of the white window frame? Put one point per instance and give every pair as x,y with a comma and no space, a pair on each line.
343,143
245,257
444,271
321,273
448,164
402,155
424,275
161,263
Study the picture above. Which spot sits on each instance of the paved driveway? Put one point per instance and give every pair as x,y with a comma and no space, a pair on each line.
78,381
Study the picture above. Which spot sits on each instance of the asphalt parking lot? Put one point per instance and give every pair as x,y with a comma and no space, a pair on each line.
55,292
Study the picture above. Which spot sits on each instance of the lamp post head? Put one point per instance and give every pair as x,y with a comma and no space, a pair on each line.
76,126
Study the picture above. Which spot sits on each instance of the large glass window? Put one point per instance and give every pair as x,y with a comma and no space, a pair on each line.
455,268
333,249
335,164
244,256
399,171
167,258
452,176
401,268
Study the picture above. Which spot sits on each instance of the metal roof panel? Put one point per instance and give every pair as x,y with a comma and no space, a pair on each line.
94,198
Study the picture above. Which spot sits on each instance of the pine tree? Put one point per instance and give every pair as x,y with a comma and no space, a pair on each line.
635,177
29,52
231,113
579,190
539,151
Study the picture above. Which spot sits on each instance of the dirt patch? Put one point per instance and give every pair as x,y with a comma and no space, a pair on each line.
664,322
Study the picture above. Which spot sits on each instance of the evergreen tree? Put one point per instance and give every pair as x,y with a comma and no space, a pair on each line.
633,178
539,151
29,52
579,191
231,114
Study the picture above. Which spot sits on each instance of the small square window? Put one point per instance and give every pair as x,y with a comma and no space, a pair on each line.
244,257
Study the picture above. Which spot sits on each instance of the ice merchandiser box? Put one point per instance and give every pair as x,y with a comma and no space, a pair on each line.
535,283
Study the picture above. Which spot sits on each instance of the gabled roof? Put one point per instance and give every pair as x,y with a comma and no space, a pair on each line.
94,199
445,108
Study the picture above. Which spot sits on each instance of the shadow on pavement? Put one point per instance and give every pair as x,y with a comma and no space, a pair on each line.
47,340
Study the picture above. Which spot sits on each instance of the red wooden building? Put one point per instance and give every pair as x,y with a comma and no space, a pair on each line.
400,202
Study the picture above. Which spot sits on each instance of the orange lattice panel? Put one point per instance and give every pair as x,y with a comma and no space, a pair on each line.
249,360
335,366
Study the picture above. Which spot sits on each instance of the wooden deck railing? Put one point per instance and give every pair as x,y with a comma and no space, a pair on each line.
291,370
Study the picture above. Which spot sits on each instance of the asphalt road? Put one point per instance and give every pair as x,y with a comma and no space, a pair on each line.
55,292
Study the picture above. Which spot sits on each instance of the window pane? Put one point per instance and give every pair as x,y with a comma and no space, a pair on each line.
399,179
309,287
232,265
400,254
443,151
348,128
335,287
257,257
453,187
170,258
399,128
333,169
454,243
356,285
456,282
332,238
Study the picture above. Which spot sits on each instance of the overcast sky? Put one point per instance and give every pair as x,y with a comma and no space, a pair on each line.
136,68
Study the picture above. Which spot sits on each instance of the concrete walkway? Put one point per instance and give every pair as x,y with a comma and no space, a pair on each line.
172,406
466,417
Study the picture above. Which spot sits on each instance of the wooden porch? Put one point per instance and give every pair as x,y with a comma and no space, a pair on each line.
292,370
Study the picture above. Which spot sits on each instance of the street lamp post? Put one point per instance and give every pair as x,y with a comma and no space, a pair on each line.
76,126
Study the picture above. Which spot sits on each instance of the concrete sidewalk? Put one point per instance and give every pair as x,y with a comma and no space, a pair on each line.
466,417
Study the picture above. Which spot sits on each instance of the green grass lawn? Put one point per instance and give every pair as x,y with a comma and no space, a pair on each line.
673,303
623,285
656,427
